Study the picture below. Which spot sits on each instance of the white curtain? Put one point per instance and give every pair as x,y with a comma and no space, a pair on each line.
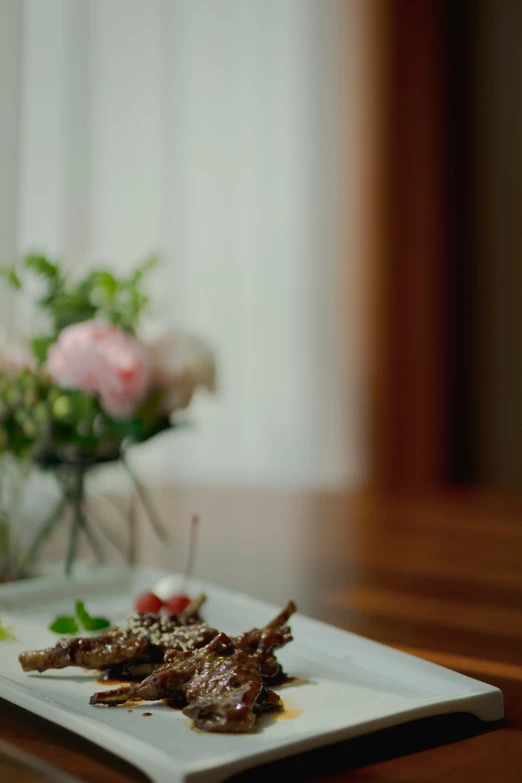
226,135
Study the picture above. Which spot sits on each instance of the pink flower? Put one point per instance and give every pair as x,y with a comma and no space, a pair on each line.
101,359
180,363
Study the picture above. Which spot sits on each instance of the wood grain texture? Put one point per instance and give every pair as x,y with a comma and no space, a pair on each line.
409,396
439,577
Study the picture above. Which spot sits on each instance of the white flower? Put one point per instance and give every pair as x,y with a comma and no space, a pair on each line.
180,363
15,353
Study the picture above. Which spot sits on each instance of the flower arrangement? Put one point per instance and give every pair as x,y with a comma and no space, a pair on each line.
89,383
86,387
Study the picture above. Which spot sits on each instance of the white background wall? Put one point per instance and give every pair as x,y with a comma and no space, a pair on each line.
227,135
10,63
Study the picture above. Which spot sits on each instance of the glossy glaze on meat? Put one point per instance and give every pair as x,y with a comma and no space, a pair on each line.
145,638
222,685
223,682
262,642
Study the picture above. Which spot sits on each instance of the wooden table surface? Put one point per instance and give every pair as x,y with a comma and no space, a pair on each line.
438,577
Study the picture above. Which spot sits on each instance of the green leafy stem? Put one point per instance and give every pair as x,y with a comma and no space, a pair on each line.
100,294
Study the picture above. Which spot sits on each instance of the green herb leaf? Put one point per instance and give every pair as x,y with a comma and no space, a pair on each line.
64,625
81,612
88,622
97,624
6,633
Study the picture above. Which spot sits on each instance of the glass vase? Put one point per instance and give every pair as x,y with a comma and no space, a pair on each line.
14,474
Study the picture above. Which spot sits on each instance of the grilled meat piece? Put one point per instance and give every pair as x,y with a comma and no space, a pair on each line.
144,639
268,701
130,672
222,685
227,695
261,643
90,653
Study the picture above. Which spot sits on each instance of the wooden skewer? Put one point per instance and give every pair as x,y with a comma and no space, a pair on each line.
191,552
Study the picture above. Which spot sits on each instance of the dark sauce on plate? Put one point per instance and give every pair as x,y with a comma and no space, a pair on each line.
177,703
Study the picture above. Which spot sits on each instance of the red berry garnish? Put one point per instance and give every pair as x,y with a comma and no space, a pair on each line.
177,603
148,602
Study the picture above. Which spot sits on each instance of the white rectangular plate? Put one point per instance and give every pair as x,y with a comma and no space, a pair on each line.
353,685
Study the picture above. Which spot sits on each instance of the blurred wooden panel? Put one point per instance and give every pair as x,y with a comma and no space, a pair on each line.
498,227
447,393
409,439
